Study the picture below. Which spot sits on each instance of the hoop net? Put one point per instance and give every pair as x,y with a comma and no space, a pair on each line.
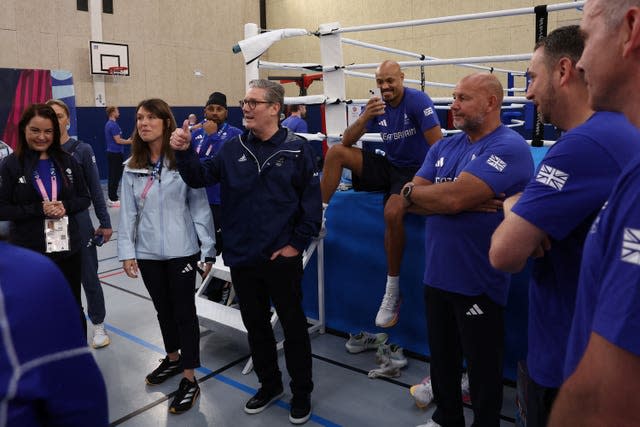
117,73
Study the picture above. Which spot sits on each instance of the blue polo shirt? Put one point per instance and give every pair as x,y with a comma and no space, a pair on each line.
608,298
111,129
457,246
562,199
402,128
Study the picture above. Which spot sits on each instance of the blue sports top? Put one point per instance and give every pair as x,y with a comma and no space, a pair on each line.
402,128
111,129
608,299
457,246
208,145
562,199
53,380
295,124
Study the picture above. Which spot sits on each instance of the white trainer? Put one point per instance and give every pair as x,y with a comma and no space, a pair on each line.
422,393
431,423
389,311
100,337
113,203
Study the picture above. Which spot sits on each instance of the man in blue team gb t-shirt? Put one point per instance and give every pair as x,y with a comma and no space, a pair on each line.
407,121
558,206
457,187
602,367
115,154
295,122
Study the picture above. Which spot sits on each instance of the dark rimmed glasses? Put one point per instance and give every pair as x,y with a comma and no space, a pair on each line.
252,103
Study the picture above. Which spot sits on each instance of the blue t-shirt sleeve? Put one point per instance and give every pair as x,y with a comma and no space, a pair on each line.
504,166
428,168
617,311
565,190
423,112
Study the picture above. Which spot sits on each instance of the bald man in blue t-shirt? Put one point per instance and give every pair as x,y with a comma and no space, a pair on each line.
457,187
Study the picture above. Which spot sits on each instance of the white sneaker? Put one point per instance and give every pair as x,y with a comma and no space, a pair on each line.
431,423
113,204
100,337
389,311
391,354
422,393
364,341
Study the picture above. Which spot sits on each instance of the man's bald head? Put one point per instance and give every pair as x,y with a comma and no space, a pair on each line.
390,80
487,83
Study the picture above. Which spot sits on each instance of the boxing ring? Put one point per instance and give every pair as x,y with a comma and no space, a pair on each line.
354,265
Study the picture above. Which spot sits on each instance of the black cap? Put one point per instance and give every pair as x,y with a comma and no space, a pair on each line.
217,98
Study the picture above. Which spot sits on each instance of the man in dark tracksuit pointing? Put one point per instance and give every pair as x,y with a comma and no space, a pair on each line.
271,210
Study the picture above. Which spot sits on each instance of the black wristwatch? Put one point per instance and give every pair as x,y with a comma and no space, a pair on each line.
406,192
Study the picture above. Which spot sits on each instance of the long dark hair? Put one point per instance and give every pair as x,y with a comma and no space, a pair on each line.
140,152
41,110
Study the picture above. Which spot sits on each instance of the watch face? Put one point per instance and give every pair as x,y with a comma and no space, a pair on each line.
406,191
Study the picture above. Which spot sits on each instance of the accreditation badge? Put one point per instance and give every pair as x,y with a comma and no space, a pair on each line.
56,234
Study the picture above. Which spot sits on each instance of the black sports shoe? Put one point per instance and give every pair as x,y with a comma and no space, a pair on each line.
186,396
166,370
262,399
300,409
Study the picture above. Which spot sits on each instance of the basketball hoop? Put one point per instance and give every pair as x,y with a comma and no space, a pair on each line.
117,72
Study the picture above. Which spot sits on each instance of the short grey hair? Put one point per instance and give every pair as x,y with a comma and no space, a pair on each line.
274,92
614,10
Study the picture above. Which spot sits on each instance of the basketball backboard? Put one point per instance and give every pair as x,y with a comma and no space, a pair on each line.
106,55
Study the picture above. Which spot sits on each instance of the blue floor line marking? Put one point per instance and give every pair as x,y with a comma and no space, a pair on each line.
222,378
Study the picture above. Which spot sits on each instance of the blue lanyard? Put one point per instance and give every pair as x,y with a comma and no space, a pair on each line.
204,137
155,172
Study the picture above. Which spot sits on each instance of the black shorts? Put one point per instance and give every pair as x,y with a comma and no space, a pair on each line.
378,174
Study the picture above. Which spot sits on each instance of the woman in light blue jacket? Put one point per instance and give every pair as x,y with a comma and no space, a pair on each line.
162,221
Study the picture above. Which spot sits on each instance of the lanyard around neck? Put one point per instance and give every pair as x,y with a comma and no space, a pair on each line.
155,172
204,137
54,185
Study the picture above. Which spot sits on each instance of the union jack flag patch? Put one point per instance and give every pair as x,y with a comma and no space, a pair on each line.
496,163
552,177
631,246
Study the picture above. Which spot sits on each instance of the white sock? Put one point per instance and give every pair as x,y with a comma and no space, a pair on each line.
393,285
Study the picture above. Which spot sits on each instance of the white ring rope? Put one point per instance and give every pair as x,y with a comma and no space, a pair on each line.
453,18
434,62
422,57
382,48
413,81
515,101
426,83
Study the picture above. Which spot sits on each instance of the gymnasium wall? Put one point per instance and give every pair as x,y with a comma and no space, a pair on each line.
167,41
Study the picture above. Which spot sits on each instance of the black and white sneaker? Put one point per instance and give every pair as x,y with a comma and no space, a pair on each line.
186,396
166,370
262,399
300,409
